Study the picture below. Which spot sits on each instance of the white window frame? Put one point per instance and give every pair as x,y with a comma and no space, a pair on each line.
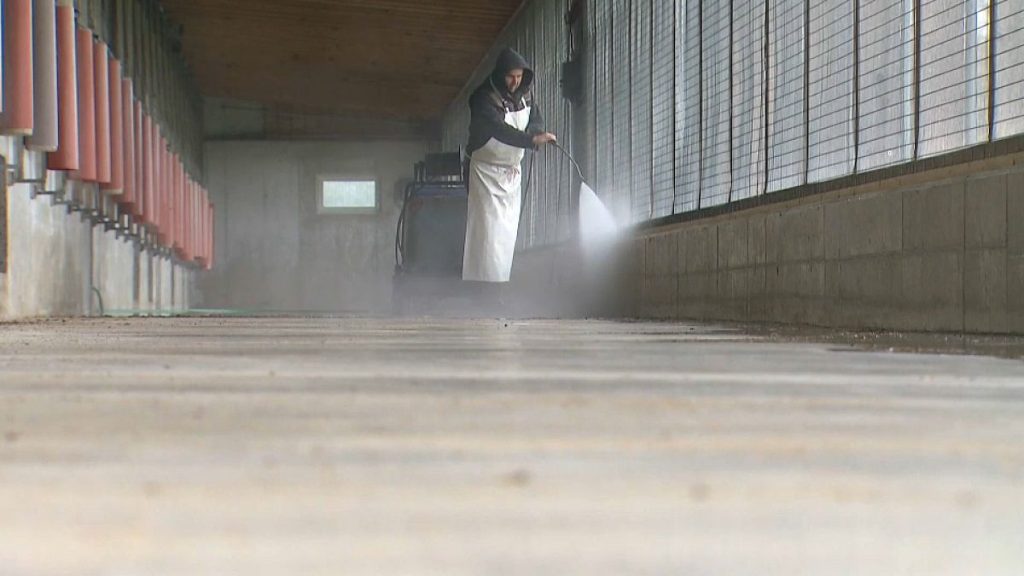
327,211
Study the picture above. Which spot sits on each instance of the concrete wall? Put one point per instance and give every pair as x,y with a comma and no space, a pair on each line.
274,252
938,251
57,263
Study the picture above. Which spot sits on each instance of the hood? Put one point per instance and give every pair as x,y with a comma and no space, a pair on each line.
508,60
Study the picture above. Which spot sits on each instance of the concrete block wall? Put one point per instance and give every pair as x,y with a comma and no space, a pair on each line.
567,280
58,264
938,252
276,252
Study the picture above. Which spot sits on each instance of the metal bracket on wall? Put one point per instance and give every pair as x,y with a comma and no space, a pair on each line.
99,213
137,235
123,231
115,225
58,197
144,240
32,167
26,166
52,185
8,171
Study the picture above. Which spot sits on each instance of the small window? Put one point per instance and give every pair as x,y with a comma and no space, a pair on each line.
347,196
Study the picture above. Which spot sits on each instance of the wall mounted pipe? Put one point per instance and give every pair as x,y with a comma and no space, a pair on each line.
186,214
158,183
139,202
192,205
86,107
171,193
115,107
186,220
44,67
179,203
153,170
160,170
203,254
186,207
182,208
101,82
183,203
200,225
175,240
190,233
209,252
162,229
167,206
172,202
127,198
67,155
176,204
203,217
154,167
207,209
17,116
147,169
197,241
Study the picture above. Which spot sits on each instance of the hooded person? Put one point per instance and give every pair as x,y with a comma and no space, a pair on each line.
504,123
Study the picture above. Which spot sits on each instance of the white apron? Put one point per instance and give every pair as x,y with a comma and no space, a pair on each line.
492,221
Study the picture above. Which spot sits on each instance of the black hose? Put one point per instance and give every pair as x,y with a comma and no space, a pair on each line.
571,159
99,297
400,229
526,189
529,176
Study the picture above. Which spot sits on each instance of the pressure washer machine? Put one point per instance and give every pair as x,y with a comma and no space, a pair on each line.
431,237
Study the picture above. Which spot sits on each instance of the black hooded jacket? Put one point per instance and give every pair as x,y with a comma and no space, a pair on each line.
491,101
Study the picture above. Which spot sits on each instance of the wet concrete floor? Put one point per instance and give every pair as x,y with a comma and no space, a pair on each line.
233,446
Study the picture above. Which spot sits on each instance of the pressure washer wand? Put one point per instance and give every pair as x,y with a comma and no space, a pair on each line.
529,176
571,159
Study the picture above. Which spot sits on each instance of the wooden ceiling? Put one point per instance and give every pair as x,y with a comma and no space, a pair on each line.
387,60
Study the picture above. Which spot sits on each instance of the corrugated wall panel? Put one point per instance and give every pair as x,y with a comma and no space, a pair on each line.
547,189
641,106
529,38
622,149
953,75
716,117
787,128
603,176
559,53
584,153
663,87
688,104
1009,68
557,181
540,229
831,99
691,104
886,94
748,94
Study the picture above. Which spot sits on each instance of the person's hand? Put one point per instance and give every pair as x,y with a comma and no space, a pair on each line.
543,138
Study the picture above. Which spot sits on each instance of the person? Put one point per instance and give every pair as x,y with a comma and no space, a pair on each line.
504,122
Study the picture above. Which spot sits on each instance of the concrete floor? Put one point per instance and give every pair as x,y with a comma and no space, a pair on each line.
309,446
